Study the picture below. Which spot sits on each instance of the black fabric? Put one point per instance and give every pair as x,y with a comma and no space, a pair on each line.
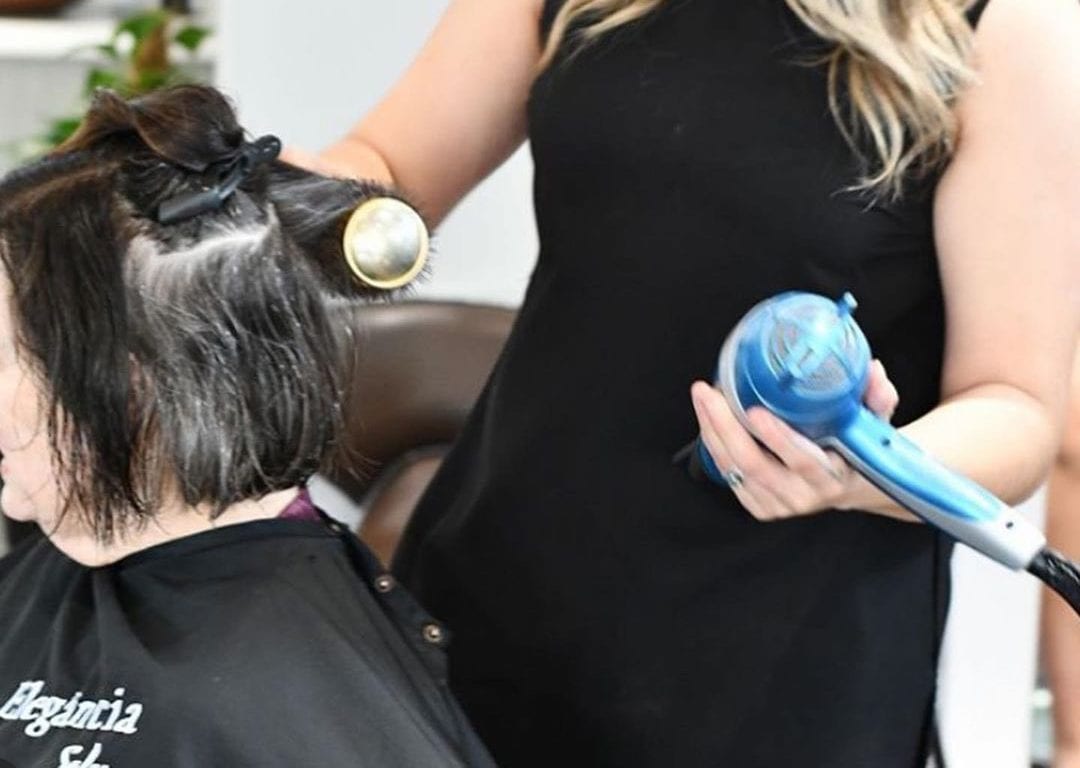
261,644
17,532
608,610
975,12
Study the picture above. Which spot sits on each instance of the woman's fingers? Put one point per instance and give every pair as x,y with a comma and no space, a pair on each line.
782,473
769,489
309,161
754,486
881,396
717,449
798,453
737,447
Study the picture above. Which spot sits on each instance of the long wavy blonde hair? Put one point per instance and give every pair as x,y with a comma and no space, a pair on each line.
900,64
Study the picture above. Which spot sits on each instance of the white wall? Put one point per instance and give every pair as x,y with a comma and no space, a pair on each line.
44,61
989,660
39,78
307,71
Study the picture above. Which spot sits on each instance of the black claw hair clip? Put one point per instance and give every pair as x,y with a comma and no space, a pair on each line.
188,205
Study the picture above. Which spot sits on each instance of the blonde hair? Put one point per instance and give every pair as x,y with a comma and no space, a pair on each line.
900,63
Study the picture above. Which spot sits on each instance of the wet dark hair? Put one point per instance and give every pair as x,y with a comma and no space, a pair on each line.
203,352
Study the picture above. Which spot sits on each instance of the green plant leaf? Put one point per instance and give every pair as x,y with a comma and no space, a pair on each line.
61,129
142,25
149,79
131,69
102,78
191,37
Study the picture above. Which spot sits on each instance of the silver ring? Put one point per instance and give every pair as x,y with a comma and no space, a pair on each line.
734,478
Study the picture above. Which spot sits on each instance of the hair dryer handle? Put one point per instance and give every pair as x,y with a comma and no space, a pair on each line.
957,505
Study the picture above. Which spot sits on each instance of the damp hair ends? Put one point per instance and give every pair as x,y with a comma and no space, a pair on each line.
209,359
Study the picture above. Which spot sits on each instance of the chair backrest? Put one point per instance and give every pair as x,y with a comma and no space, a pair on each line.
421,366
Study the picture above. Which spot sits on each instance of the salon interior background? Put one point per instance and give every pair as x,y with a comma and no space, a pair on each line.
307,70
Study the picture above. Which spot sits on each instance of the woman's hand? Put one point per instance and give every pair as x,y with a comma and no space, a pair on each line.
309,161
790,475
1068,758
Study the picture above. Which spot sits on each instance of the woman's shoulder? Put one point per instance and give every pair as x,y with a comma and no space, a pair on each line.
1027,62
1055,23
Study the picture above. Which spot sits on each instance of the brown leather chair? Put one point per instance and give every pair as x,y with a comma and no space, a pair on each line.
420,367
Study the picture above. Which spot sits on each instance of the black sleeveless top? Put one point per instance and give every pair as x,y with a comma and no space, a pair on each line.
607,609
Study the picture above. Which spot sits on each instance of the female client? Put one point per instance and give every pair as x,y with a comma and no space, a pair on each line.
169,378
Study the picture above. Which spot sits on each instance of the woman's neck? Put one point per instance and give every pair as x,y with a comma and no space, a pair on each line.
173,521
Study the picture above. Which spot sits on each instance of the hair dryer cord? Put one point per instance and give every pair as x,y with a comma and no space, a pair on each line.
1059,574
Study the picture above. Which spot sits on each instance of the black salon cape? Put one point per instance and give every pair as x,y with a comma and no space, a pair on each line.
271,643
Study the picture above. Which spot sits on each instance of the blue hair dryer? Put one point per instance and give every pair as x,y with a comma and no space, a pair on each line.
803,357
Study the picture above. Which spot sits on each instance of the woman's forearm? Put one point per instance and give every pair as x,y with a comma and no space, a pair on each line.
356,157
996,435
1060,629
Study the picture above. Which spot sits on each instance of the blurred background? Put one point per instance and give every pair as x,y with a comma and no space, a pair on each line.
305,72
